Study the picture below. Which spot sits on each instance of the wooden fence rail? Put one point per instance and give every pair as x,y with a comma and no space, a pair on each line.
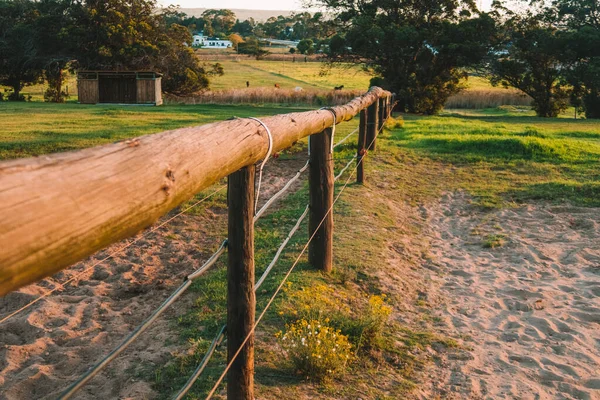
58,209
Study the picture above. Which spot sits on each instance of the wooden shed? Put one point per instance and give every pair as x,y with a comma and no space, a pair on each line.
117,87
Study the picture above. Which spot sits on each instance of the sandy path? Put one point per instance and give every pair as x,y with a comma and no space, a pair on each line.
48,346
528,312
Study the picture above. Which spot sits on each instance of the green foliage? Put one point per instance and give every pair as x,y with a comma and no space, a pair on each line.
337,47
252,47
369,325
305,46
494,240
218,22
530,60
583,57
183,72
394,123
19,60
316,350
42,39
420,49
364,323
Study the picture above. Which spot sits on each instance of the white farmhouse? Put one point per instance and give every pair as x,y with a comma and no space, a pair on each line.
210,43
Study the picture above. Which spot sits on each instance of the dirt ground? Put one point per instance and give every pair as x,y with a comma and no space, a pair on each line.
48,346
527,312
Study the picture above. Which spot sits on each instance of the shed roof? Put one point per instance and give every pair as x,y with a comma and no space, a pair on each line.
108,72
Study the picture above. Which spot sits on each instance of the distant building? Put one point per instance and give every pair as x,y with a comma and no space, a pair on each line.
119,87
210,43
278,42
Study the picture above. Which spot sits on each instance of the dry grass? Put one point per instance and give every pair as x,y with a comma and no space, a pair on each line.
488,98
268,96
275,54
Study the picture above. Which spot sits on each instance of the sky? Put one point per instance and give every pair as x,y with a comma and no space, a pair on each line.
241,4
259,4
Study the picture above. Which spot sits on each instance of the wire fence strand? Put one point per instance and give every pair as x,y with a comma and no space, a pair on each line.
82,273
281,192
220,336
71,390
179,291
345,138
272,298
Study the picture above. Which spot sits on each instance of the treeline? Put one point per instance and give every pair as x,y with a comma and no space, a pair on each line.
222,23
312,31
422,51
41,40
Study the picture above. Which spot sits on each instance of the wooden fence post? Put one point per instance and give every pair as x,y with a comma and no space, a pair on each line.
381,115
320,250
372,124
241,300
360,152
389,107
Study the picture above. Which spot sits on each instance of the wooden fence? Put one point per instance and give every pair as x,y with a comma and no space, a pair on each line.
58,209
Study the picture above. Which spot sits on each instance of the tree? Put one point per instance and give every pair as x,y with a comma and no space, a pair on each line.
183,73
251,46
245,28
337,47
420,48
19,61
221,21
581,21
305,46
56,43
235,39
530,60
136,35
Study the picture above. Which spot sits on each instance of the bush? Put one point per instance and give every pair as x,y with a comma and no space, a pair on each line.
366,331
394,123
363,324
315,302
316,350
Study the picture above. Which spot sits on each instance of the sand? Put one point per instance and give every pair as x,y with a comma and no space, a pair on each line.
48,346
527,314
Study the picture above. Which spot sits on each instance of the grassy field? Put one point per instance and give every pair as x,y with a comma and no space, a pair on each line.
289,75
313,77
31,129
508,155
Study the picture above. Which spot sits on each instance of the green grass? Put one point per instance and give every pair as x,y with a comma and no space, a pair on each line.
505,156
34,128
288,75
261,73
492,241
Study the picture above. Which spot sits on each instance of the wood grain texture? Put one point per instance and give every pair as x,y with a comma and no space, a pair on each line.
361,148
372,125
241,300
320,249
87,91
60,208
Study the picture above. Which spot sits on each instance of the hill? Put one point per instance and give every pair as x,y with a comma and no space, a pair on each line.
258,15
